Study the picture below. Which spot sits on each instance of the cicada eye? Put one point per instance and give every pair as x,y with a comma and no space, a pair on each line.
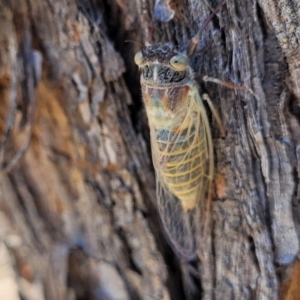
138,58
179,62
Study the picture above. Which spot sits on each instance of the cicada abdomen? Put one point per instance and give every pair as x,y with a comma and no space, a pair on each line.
183,155
180,140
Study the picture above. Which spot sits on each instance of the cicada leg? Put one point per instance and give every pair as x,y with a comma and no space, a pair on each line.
230,85
215,114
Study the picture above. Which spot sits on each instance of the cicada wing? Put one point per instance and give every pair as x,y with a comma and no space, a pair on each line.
176,223
182,226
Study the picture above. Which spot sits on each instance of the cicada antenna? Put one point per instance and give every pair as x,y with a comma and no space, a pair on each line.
195,40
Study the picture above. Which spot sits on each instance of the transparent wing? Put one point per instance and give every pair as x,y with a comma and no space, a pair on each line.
180,225
176,223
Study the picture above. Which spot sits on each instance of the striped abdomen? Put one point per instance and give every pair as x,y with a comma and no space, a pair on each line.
183,162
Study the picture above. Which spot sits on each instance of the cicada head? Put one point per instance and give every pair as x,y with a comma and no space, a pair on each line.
166,78
163,65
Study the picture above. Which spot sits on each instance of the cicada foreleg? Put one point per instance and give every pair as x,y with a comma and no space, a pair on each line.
230,85
215,114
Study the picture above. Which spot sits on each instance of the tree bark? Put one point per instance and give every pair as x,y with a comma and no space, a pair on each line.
77,197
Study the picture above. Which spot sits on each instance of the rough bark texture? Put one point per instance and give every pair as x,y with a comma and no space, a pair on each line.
77,197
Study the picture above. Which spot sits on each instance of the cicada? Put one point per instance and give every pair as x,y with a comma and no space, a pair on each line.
181,142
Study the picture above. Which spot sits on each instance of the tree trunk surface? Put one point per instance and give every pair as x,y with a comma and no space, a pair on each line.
77,198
